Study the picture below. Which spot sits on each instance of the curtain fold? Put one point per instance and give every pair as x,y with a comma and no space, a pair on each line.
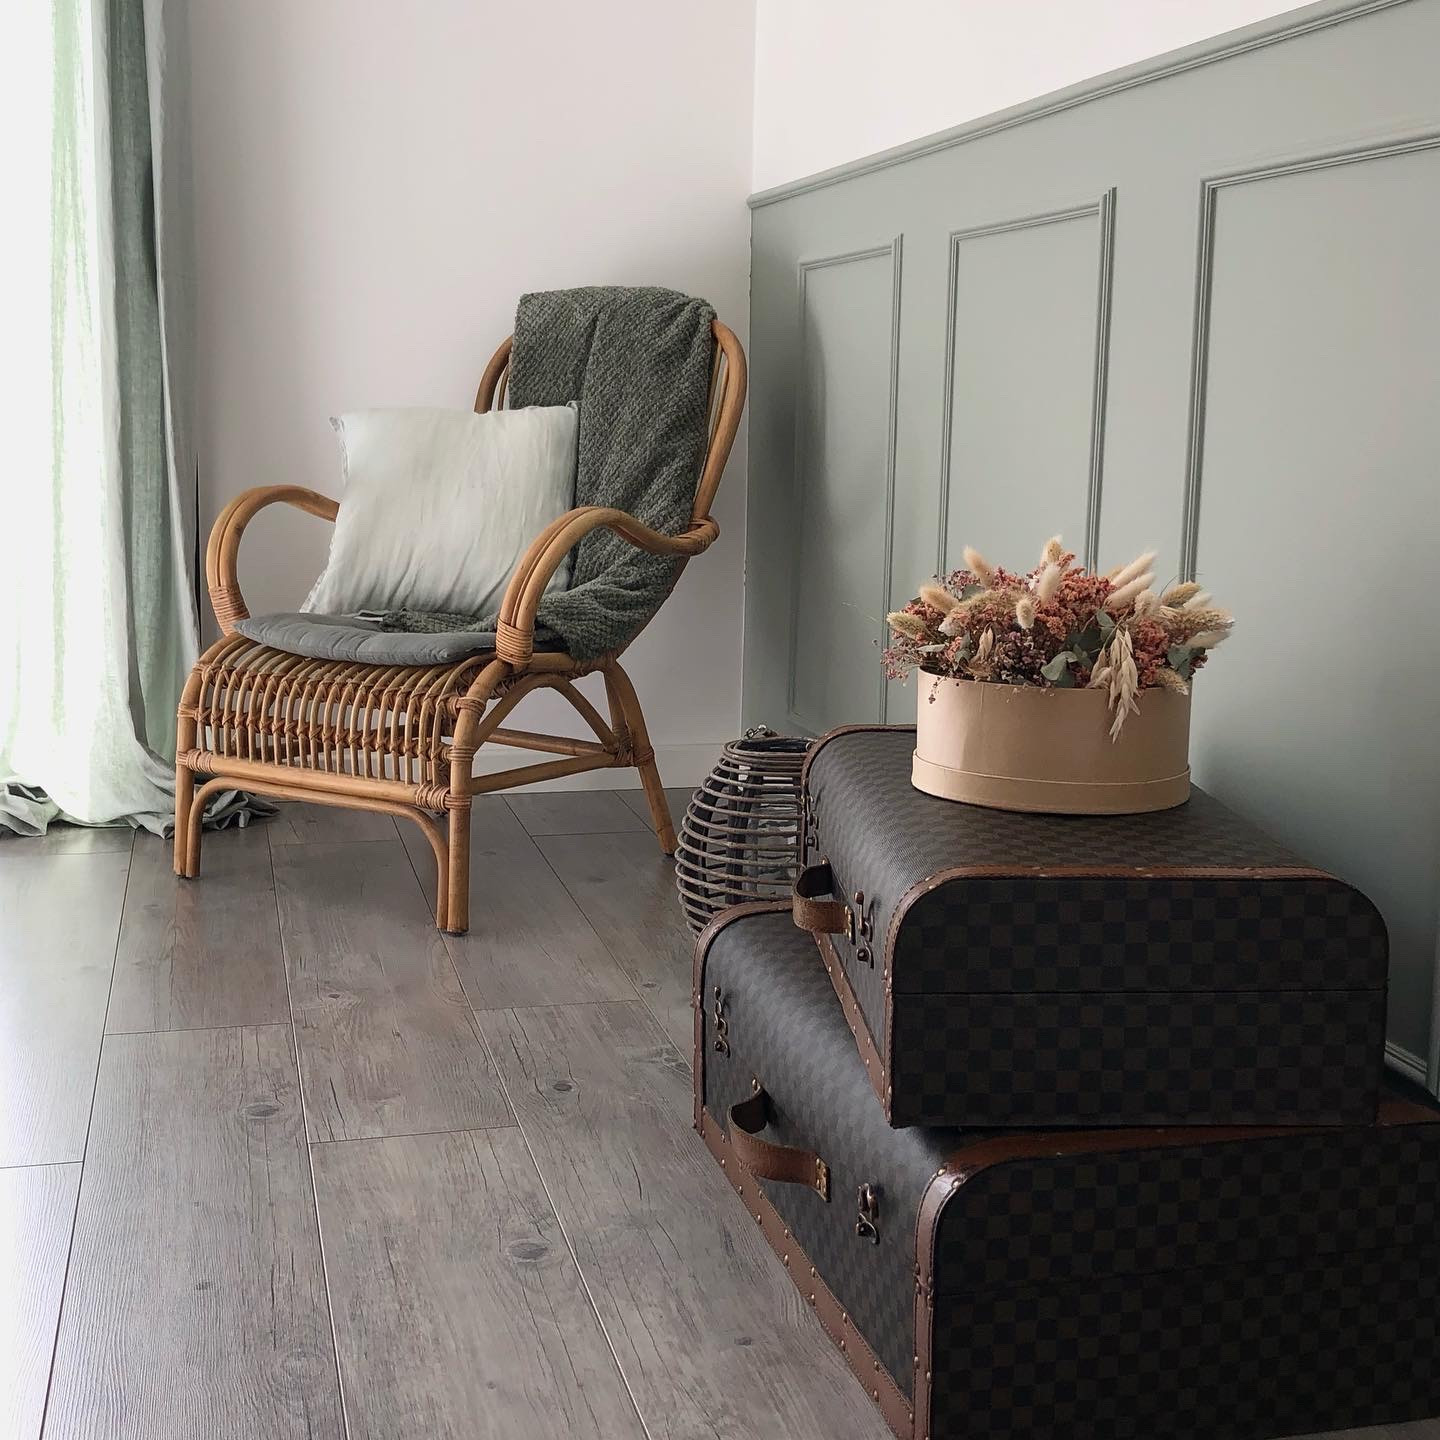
99,628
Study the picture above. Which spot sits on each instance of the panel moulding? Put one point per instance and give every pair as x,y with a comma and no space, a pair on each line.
1104,210
1210,190
893,251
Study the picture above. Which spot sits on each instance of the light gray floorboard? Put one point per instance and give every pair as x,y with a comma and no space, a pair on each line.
297,824
388,1045
678,797
61,839
712,1337
458,1308
573,812
59,919
528,942
626,888
37,1208
202,952
195,1304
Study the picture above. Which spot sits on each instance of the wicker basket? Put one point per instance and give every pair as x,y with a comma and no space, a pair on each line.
740,838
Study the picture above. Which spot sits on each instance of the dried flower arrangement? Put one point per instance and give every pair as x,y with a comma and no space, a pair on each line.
1058,626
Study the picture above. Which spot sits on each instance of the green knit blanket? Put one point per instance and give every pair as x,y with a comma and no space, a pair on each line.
638,362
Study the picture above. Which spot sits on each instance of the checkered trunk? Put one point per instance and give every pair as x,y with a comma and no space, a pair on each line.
1116,1284
1042,970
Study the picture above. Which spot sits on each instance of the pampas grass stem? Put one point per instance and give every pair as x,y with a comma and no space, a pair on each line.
938,598
1122,595
1180,594
1138,566
979,566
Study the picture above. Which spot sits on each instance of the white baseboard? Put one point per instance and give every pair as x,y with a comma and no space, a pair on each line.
680,765
1411,1066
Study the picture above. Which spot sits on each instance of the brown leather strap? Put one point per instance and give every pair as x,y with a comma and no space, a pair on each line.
782,1163
819,917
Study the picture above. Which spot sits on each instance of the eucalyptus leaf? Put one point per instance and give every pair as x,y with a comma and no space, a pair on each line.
968,592
1086,643
1105,621
1057,668
1182,660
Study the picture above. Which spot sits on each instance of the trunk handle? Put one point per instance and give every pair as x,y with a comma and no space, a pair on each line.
785,1164
820,916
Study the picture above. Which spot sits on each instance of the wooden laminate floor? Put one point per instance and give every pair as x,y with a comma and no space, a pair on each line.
277,1160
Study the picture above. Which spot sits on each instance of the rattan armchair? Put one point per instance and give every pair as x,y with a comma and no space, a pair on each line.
402,739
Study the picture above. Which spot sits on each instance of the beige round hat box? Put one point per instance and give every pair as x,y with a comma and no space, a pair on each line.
1021,747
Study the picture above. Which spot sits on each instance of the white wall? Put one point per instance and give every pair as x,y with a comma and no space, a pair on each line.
376,183
839,79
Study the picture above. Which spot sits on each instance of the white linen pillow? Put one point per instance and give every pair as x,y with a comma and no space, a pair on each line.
439,506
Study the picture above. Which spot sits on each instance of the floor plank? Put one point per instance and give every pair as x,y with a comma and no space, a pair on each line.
458,1308
678,797
711,1336
626,889
574,812
528,942
196,1302
61,839
37,1208
59,919
296,824
388,1045
203,952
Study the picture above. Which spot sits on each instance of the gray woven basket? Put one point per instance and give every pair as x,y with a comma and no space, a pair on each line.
740,838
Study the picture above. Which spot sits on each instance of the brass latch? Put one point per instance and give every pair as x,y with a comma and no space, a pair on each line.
720,1023
867,1223
862,933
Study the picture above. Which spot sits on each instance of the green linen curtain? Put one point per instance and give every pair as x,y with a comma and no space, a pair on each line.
97,613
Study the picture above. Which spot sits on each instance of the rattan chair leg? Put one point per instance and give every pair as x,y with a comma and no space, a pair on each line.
184,798
457,888
457,919
642,753
195,828
186,729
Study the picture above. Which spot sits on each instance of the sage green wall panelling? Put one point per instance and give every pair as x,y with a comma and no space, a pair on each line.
1317,519
844,458
1268,413
1027,307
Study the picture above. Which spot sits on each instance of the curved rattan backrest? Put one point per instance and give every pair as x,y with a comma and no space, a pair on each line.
727,401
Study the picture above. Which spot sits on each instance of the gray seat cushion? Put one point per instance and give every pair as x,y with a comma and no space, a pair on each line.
343,637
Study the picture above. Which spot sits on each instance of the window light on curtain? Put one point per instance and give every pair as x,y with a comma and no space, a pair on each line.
97,615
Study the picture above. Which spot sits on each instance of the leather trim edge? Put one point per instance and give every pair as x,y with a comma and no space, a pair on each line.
832,1316
820,916
835,734
876,1068
981,1155
971,1160
1088,872
703,942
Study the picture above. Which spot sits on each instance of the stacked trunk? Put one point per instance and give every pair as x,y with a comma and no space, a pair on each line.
1075,1127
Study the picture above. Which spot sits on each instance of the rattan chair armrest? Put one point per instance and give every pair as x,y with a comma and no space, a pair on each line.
221,577
515,641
